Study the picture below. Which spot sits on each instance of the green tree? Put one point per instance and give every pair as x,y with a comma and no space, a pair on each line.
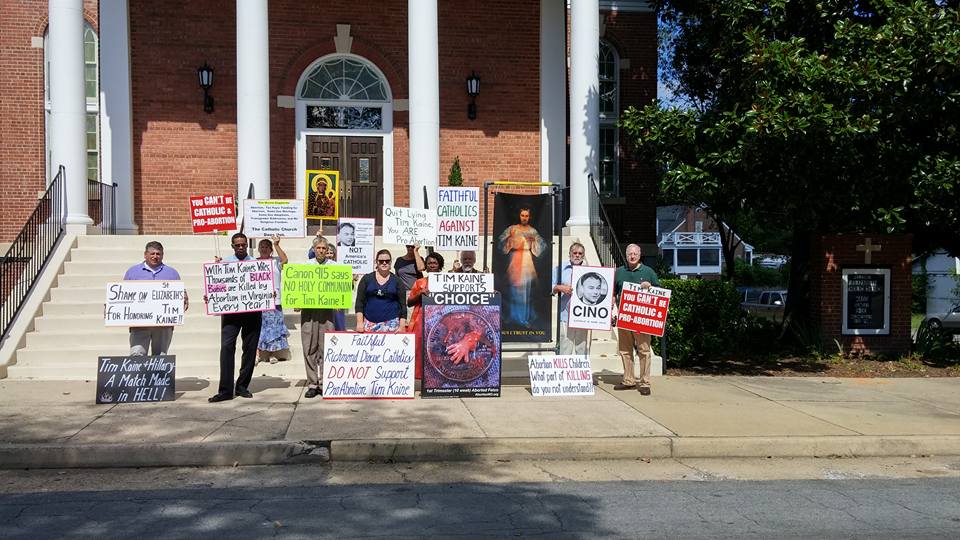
455,178
818,116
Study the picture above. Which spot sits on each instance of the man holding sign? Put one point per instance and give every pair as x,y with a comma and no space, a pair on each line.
634,271
156,339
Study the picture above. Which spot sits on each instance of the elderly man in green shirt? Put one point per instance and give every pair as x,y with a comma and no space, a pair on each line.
634,272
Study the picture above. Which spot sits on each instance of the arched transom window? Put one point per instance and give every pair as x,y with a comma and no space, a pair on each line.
349,93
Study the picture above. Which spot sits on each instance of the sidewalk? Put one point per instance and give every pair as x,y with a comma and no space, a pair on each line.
57,424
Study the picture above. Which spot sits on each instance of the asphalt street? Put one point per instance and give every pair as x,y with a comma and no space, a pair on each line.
313,503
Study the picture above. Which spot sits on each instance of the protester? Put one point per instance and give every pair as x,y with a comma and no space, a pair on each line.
409,267
246,325
339,315
466,263
314,323
381,295
634,271
572,340
434,263
153,339
273,344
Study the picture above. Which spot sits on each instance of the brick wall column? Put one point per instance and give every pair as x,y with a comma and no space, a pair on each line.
424,62
253,99
116,118
584,105
553,90
68,105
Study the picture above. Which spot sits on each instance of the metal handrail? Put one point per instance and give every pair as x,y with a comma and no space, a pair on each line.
601,231
30,251
102,205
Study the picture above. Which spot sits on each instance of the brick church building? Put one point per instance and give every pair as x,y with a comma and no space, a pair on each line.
111,90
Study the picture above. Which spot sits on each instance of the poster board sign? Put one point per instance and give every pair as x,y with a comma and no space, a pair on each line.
643,311
144,303
323,195
239,286
368,366
522,263
317,286
355,243
461,345
458,218
274,217
866,301
409,226
560,376
212,213
591,303
136,379
439,282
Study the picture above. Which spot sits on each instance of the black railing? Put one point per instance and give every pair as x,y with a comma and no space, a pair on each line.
601,231
102,205
27,256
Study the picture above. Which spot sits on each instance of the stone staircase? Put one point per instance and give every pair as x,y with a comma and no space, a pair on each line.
69,334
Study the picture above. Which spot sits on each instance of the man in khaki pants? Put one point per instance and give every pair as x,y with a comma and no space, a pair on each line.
634,271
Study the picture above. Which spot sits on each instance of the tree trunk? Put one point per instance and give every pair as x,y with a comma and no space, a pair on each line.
797,310
729,248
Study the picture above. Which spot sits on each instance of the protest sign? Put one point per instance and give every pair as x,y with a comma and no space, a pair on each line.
368,366
212,213
643,311
461,345
355,243
239,287
144,303
323,188
317,286
274,217
136,379
591,303
458,218
460,282
552,375
409,226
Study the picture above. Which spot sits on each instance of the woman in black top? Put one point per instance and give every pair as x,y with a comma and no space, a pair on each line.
381,299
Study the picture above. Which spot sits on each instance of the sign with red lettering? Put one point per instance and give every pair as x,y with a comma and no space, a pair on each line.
212,213
643,310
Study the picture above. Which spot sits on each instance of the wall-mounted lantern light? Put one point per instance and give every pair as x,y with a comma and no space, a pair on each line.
205,73
473,90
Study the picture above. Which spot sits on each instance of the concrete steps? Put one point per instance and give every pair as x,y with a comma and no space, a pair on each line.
69,334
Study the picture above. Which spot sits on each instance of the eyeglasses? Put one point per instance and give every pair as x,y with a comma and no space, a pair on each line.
383,261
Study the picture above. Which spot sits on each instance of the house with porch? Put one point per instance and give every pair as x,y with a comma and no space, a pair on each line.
688,239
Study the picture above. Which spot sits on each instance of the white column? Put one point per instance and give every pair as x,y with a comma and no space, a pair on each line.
253,99
584,104
553,84
424,87
116,118
68,105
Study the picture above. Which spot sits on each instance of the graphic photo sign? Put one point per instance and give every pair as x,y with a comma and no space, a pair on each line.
461,337
591,303
144,303
212,213
368,366
274,217
643,311
239,286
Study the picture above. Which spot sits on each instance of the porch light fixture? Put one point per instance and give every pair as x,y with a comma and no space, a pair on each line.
473,90
205,73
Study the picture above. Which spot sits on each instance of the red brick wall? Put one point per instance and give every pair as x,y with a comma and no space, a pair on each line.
830,255
22,147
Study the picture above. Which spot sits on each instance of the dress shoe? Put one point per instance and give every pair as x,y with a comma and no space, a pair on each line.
219,397
243,392
644,390
312,393
624,386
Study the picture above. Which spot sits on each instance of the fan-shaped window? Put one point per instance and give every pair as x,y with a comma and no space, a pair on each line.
343,79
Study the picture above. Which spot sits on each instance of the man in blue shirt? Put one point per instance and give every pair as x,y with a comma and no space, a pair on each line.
572,340
232,325
153,339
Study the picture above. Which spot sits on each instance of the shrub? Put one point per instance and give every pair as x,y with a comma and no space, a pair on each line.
758,276
935,345
455,178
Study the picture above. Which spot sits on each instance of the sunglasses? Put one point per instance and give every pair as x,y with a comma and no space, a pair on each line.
383,261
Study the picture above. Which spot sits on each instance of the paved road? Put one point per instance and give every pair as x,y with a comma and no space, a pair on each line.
878,508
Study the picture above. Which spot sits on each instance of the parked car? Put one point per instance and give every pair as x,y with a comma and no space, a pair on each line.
774,262
948,321
769,304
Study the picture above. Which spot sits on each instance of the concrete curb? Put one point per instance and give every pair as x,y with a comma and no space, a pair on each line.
53,456
66,456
